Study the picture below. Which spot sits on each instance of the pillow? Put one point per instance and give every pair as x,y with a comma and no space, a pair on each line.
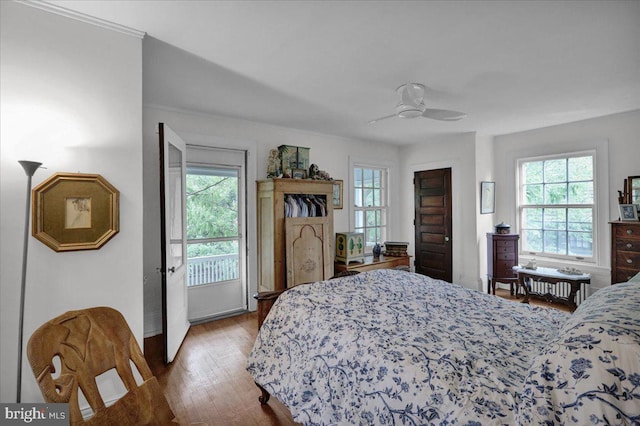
590,373
635,278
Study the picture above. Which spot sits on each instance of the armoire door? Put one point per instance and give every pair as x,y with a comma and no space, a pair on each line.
308,248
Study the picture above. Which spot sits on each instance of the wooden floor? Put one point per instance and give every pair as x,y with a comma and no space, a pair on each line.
207,382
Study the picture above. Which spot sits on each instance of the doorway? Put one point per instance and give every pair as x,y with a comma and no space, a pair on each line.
216,230
433,224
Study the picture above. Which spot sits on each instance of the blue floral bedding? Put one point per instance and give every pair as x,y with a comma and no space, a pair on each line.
590,373
392,347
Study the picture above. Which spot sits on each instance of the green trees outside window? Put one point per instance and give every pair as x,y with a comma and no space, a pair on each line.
557,206
212,224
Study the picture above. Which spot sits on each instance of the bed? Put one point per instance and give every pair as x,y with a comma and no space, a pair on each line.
393,347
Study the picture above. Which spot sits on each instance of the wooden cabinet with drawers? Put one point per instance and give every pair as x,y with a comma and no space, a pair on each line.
625,250
502,256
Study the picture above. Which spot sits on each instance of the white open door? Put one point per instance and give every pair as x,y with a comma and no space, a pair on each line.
173,240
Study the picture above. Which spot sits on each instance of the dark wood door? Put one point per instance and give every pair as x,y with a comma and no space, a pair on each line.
432,189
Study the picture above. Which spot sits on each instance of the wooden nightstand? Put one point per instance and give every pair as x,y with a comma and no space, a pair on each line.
502,256
385,262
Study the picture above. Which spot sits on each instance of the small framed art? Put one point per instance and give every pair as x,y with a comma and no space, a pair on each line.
74,211
628,212
299,173
337,194
487,197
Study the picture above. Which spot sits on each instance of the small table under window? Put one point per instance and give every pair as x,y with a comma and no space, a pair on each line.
550,276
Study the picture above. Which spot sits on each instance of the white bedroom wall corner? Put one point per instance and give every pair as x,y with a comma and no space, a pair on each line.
73,93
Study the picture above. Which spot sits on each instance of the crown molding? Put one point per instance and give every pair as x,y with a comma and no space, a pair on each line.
78,16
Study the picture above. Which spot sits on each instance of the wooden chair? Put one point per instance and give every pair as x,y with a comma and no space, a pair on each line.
88,343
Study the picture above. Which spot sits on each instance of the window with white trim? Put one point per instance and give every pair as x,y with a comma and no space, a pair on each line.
370,204
557,206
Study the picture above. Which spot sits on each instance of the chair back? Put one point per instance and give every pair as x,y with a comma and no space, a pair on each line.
88,343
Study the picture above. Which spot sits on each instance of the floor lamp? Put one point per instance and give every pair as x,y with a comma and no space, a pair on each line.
30,168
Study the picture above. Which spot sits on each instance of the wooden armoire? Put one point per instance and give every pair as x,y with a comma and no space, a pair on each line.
295,232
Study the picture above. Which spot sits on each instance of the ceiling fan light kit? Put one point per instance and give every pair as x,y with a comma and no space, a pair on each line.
408,111
411,105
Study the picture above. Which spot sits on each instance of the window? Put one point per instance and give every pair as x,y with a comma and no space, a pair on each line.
370,204
557,206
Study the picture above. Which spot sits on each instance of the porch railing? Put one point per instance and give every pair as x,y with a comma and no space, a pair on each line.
211,269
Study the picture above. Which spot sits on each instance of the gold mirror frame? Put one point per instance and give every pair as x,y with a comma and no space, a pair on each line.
74,211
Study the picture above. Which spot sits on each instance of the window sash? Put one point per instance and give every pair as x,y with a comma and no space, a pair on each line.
559,219
370,207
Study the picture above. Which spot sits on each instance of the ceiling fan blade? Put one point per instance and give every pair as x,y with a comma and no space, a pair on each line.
382,118
443,114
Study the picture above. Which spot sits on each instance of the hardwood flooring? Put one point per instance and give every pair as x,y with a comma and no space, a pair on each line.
207,382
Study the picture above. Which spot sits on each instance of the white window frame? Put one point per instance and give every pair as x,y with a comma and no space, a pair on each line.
594,206
384,201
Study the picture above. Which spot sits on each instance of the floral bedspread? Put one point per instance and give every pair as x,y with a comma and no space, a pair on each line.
390,347
590,373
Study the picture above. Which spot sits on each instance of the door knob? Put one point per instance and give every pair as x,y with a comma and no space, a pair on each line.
172,269
446,239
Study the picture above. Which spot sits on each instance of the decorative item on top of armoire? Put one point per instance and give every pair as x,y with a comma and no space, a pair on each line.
279,199
502,256
273,164
625,250
75,211
293,157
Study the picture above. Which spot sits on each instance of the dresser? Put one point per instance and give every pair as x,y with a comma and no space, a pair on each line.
369,264
625,250
502,256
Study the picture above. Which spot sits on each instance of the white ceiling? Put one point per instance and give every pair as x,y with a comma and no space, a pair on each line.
331,66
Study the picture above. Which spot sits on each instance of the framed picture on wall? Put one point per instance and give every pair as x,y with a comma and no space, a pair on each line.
337,194
487,197
74,211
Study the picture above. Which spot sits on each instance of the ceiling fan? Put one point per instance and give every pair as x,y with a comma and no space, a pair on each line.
412,105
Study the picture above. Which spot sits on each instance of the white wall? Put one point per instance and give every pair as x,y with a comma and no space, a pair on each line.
457,152
330,153
484,222
615,139
71,98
